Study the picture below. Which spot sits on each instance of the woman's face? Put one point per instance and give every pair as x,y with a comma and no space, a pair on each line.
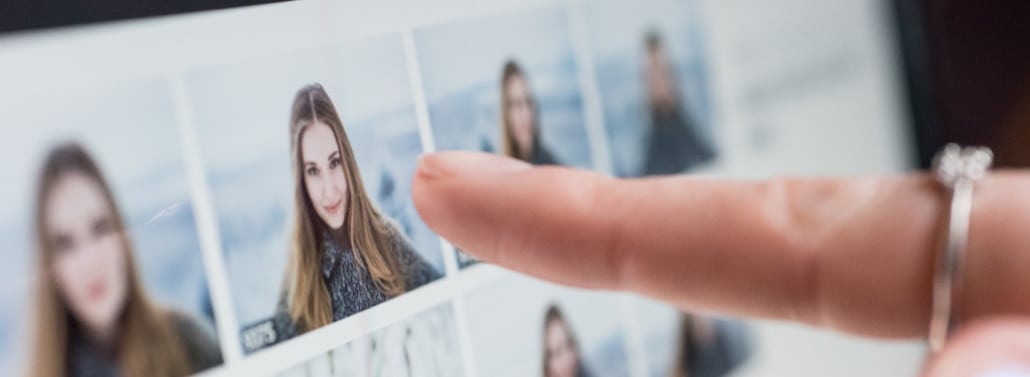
660,83
324,176
563,361
521,114
89,256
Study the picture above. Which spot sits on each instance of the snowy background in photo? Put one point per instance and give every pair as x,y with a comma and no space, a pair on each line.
424,345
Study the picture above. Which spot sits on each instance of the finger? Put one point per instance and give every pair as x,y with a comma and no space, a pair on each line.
990,348
852,254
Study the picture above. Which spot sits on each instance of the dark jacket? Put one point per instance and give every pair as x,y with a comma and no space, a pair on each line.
85,360
542,156
728,349
674,144
351,288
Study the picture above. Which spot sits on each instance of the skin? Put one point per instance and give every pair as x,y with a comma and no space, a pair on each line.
324,176
660,89
89,264
564,361
521,113
853,254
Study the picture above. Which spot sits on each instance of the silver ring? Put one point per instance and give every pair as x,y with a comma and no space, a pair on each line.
956,169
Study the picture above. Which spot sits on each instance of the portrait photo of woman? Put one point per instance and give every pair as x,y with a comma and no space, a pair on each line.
520,118
344,255
561,348
673,143
650,61
547,330
93,315
311,184
518,94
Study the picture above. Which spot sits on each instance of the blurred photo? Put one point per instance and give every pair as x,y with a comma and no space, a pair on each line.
520,128
313,204
561,348
515,91
424,345
524,327
649,60
102,239
680,344
92,310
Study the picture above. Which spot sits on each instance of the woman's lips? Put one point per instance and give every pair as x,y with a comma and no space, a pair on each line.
96,291
334,208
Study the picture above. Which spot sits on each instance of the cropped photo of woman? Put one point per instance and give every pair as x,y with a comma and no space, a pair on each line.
93,316
520,119
709,347
562,356
345,255
674,144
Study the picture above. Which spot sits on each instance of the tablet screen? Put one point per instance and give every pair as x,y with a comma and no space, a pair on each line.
228,192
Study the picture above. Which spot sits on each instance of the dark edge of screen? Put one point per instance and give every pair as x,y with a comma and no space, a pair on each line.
912,43
29,15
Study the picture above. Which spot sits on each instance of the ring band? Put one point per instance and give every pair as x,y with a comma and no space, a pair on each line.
957,169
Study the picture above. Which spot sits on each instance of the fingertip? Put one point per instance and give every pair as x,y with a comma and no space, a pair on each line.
466,164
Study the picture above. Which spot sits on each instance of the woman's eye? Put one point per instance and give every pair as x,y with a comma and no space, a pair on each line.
62,243
311,172
102,227
334,163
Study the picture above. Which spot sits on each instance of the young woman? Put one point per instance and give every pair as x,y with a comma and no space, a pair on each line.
93,315
562,357
345,256
520,119
673,145
709,347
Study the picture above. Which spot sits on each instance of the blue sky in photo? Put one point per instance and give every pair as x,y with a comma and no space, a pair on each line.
461,66
241,113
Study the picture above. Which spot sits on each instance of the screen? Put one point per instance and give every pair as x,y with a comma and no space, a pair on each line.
228,192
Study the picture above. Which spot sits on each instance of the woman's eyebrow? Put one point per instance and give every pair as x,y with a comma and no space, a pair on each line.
335,154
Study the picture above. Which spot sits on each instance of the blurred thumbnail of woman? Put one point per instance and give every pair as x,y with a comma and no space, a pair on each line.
520,119
93,314
345,256
562,357
709,347
674,144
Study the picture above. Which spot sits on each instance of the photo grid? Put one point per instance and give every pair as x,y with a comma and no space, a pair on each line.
304,159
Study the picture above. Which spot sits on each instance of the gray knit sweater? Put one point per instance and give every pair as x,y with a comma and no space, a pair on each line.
351,288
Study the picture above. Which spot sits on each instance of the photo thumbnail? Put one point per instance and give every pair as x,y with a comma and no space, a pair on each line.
649,57
104,273
506,85
424,345
309,157
525,327
679,344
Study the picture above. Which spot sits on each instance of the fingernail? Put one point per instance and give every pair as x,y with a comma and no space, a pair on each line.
1008,371
450,164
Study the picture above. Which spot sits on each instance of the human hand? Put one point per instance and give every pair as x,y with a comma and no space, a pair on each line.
855,255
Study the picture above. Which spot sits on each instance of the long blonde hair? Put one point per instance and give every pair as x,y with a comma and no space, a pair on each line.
146,344
509,146
370,236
